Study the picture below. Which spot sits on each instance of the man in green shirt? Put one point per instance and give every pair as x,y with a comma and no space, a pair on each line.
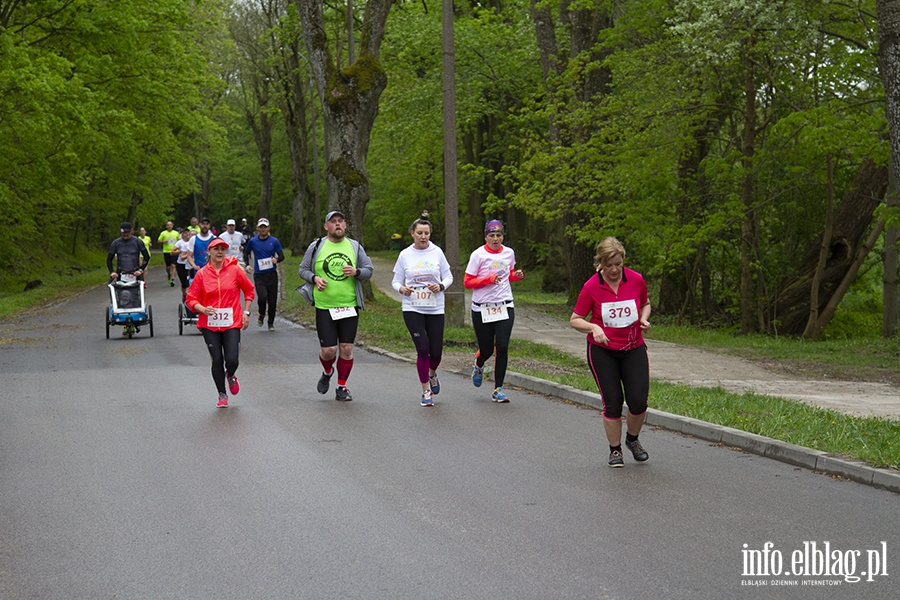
335,265
168,237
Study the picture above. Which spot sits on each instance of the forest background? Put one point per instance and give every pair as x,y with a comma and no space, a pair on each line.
741,149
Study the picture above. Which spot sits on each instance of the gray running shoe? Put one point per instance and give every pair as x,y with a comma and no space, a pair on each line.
342,394
637,450
615,459
324,382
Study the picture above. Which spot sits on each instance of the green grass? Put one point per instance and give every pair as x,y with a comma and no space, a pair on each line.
60,277
875,441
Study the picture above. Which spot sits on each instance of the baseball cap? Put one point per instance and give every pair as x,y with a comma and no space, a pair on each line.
333,213
204,219
125,226
230,222
216,242
263,221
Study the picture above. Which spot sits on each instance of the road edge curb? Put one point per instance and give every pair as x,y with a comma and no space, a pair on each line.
800,456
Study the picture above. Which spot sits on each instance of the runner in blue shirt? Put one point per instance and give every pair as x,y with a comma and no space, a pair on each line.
267,253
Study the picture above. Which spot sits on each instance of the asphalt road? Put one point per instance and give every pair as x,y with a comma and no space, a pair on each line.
120,479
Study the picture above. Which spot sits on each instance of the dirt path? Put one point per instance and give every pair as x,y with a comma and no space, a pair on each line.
674,363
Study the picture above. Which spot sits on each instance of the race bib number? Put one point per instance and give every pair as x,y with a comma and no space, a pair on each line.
342,312
422,296
619,315
127,277
265,264
494,311
223,317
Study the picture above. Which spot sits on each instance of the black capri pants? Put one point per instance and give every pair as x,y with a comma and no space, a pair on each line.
494,336
623,377
224,350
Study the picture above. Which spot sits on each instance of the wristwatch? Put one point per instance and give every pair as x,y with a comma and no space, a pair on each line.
441,285
247,312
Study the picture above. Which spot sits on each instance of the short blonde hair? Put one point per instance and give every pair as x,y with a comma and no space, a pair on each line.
607,249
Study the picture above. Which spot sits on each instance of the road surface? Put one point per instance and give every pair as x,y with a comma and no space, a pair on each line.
120,479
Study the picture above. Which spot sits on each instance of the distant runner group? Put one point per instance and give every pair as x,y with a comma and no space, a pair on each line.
612,309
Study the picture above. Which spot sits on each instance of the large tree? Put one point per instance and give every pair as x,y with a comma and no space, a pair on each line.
888,12
350,98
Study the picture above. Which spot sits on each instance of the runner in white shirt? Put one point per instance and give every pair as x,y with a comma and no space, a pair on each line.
490,270
235,241
421,274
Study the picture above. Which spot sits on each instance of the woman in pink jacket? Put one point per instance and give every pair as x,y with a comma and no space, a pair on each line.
215,295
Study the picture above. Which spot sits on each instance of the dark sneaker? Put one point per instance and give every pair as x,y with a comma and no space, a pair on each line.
637,450
426,398
434,384
233,386
324,382
615,459
271,328
259,321
223,400
342,394
499,395
477,375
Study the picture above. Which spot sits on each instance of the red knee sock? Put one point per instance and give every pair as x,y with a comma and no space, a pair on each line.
343,368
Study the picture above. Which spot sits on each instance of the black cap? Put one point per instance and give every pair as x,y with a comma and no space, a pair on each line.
125,226
202,219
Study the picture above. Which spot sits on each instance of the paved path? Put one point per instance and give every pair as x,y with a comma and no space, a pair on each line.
119,478
674,363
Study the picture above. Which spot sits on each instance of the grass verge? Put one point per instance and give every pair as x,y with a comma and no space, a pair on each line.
60,277
873,440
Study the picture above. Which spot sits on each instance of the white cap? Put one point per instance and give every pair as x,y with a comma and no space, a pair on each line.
263,221
230,222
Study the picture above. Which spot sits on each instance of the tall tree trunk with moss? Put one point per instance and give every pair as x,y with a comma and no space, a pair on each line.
888,14
349,104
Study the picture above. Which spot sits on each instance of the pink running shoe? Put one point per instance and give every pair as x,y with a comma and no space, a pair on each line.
223,401
233,386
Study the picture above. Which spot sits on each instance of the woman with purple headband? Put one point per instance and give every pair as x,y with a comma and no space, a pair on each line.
490,270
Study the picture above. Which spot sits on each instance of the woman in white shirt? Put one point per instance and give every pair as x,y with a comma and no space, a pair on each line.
490,270
421,274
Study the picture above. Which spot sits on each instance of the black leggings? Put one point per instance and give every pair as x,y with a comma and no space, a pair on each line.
266,293
494,336
184,273
427,333
225,350
622,376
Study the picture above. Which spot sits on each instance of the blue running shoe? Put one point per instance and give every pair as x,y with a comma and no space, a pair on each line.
499,396
434,384
426,398
477,376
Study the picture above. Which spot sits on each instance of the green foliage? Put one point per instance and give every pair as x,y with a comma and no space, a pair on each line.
101,118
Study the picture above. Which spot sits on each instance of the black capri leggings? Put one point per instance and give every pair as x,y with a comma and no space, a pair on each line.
225,350
427,332
494,336
623,377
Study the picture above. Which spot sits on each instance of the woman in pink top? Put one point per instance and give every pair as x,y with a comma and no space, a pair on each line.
612,309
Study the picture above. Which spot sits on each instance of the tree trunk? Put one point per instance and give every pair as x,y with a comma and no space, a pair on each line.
888,15
812,330
455,300
852,219
349,105
293,104
748,222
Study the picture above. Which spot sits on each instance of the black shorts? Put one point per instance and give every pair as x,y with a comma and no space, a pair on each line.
170,258
332,332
